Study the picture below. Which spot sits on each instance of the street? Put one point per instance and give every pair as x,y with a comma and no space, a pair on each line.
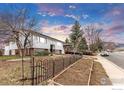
117,58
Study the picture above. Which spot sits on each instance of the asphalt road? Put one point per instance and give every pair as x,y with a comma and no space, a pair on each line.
117,58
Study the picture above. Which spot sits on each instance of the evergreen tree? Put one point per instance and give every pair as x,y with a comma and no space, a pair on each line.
76,33
67,41
83,45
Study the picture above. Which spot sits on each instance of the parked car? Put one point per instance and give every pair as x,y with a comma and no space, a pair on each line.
104,53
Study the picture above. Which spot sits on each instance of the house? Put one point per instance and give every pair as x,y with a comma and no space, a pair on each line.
40,42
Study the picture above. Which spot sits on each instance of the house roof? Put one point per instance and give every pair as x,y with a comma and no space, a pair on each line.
37,33
34,32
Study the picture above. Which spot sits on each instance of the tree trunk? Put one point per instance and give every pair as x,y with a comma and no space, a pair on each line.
22,75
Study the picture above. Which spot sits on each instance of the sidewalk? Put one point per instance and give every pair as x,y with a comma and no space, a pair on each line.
115,73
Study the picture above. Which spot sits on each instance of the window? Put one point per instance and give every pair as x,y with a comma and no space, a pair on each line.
12,43
59,44
42,40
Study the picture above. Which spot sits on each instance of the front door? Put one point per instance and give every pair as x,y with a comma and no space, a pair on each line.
10,52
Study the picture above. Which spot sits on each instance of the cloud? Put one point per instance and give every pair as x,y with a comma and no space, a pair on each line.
50,10
39,13
115,14
85,16
73,16
43,23
47,14
110,32
115,27
51,14
72,7
60,32
77,17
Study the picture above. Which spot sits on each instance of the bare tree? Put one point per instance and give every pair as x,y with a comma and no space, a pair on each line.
20,24
92,35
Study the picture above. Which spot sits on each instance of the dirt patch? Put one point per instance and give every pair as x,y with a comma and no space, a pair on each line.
77,74
99,76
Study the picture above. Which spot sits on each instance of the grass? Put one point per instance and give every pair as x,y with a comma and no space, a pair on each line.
9,57
10,72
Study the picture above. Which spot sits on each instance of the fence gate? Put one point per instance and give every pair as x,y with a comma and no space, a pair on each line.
40,70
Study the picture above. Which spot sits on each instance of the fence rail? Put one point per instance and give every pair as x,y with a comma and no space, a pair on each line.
44,69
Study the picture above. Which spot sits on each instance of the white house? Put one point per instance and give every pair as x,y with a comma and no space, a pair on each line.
40,42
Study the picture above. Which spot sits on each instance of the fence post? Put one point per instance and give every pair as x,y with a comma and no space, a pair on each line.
74,58
53,68
47,69
69,60
42,71
32,75
36,72
63,62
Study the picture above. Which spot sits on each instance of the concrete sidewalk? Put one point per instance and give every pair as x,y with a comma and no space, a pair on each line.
115,73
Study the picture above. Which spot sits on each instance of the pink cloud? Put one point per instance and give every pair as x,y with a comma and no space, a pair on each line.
60,32
115,14
50,9
110,32
113,29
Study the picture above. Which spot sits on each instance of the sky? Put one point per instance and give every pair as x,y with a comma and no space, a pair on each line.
56,20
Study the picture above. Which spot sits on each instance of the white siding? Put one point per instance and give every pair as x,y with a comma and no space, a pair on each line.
6,50
13,52
37,42
46,42
11,46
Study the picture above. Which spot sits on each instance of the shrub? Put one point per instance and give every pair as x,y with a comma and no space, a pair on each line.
42,53
87,52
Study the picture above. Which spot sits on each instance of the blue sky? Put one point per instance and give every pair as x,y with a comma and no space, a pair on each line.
56,20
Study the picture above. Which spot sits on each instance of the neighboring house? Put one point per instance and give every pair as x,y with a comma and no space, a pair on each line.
39,42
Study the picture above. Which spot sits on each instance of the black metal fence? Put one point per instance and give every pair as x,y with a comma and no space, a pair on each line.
44,69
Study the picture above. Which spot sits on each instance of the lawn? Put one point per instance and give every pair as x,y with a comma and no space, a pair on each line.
10,71
9,57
